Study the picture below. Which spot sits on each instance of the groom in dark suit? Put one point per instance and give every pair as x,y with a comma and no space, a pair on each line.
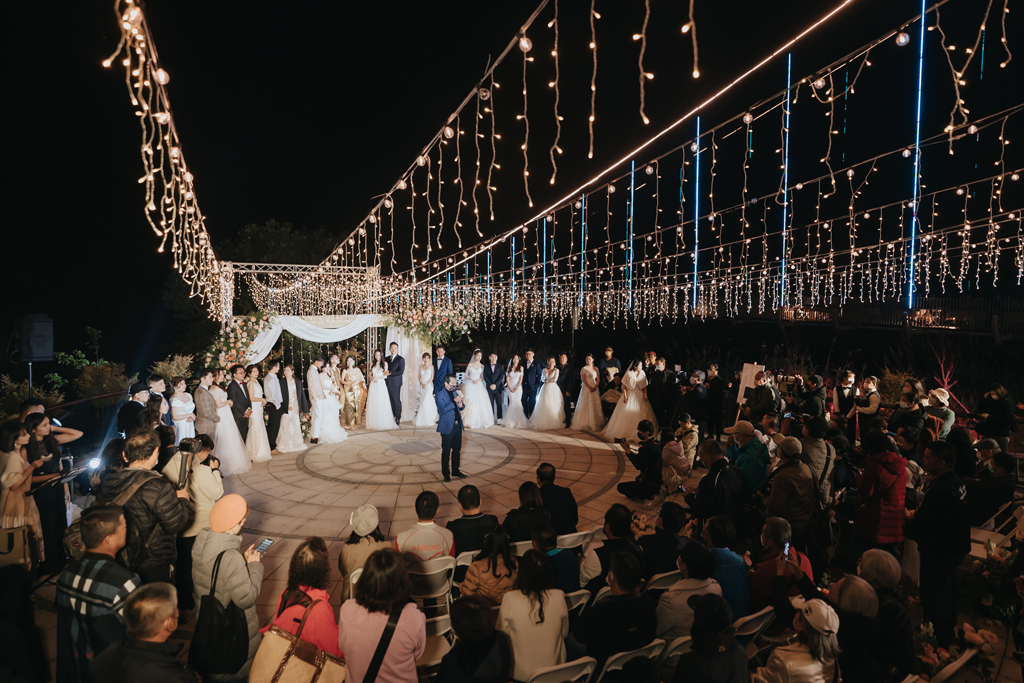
241,406
494,378
442,368
393,380
531,383
449,426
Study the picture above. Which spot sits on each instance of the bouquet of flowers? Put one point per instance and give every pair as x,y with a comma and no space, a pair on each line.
433,323
305,424
235,339
989,583
929,658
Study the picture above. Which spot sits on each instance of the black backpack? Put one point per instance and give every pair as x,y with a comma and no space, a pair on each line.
220,644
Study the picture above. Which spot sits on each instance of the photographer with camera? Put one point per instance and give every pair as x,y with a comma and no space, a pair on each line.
812,399
764,399
647,460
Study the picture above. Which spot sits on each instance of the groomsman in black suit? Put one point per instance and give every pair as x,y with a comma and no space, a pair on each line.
241,406
660,392
393,380
131,416
494,378
531,383
566,384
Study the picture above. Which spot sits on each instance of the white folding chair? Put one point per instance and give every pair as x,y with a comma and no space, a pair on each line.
752,626
519,548
669,658
432,580
438,643
463,560
616,661
951,669
576,602
580,539
353,578
605,592
576,670
662,582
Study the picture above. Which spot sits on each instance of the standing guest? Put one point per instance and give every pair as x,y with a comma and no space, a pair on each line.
661,549
156,512
492,573
819,455
715,656
769,428
867,405
566,384
145,656
155,410
479,413
647,461
241,404
379,413
426,412
659,387
258,443
480,653
309,571
997,410
334,370
675,615
564,562
881,493
966,454
365,539
425,540
354,385
16,476
442,368
618,537
293,404
45,441
792,496
272,393
909,414
695,398
749,455
531,383
844,401
158,386
812,396
534,617
775,536
938,406
182,411
449,426
469,530
316,392
942,530
720,491
206,405
240,575
621,622
393,380
514,413
382,599
987,495
762,400
813,656
29,406
730,569
131,417
558,500
520,522
588,415
230,443
91,594
606,363
494,378
716,387
611,396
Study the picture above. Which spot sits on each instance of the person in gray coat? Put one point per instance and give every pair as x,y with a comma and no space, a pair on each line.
241,574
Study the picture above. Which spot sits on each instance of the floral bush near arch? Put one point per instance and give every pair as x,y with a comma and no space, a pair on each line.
433,323
233,343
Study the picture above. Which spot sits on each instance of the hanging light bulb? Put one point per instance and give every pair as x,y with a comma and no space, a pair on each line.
421,161
748,118
388,203
906,154
525,44
162,77
972,130
162,117
902,38
579,205
611,188
188,177
849,174
1015,177
650,170
819,84
448,132
484,94
799,186
694,147
373,219
960,191
402,185
696,73
686,27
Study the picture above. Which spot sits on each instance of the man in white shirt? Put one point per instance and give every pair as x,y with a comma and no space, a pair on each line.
316,391
272,392
675,614
425,540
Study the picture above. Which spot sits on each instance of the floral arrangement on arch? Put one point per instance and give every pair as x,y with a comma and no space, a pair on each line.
433,323
235,339
930,659
988,582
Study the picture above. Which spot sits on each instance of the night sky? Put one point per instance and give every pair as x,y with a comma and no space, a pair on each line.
304,112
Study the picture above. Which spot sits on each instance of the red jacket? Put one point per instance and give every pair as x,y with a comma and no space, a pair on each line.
882,490
321,627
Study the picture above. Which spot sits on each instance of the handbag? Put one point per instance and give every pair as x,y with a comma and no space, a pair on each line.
15,547
286,658
220,644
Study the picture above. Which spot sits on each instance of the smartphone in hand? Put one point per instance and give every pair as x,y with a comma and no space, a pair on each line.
262,547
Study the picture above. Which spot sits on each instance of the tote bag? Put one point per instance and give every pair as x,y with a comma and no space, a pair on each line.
286,658
220,644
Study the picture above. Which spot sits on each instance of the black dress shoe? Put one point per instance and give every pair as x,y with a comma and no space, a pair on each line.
447,478
460,475
314,441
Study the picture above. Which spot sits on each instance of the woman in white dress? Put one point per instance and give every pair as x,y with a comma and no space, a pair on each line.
331,430
257,442
588,415
426,413
234,458
289,438
478,413
632,407
549,413
378,404
513,416
183,411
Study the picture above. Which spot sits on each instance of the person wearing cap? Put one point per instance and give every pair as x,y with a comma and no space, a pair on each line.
938,406
715,656
792,495
747,452
240,576
813,656
131,417
882,489
986,495
365,539
986,450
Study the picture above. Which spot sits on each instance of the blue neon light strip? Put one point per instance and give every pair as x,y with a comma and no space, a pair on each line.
513,268
696,213
785,181
544,263
917,164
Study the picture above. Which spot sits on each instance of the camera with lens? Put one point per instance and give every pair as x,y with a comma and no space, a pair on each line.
788,384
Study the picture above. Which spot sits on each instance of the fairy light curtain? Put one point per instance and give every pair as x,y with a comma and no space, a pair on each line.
307,329
410,348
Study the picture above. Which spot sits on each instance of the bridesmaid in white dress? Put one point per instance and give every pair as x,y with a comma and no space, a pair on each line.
289,439
183,411
478,413
257,442
234,459
331,430
426,413
588,415
632,407
514,417
549,413
379,416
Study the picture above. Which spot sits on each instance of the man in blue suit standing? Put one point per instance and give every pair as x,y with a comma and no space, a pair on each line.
442,368
449,426
531,383
393,380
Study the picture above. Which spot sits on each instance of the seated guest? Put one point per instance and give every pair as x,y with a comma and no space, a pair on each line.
721,490
425,540
909,414
688,437
882,571
364,540
91,594
661,549
938,406
966,455
774,535
308,573
520,522
534,617
986,495
622,622
986,450
469,530
480,654
564,562
675,467
558,501
145,656
813,656
619,537
675,616
382,590
714,656
493,571
730,569
747,452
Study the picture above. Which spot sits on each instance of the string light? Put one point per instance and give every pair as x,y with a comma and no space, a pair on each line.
554,84
593,78
642,37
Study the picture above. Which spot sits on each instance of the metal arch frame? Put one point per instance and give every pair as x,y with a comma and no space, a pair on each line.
298,269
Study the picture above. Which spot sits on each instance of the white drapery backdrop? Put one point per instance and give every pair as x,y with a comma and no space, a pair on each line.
409,348
303,329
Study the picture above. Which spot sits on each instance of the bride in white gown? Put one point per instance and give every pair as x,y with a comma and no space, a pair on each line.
230,450
478,413
331,430
632,407
379,415
426,413
257,443
588,415
549,413
513,416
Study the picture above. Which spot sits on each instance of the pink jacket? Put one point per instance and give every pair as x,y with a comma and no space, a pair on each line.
321,628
